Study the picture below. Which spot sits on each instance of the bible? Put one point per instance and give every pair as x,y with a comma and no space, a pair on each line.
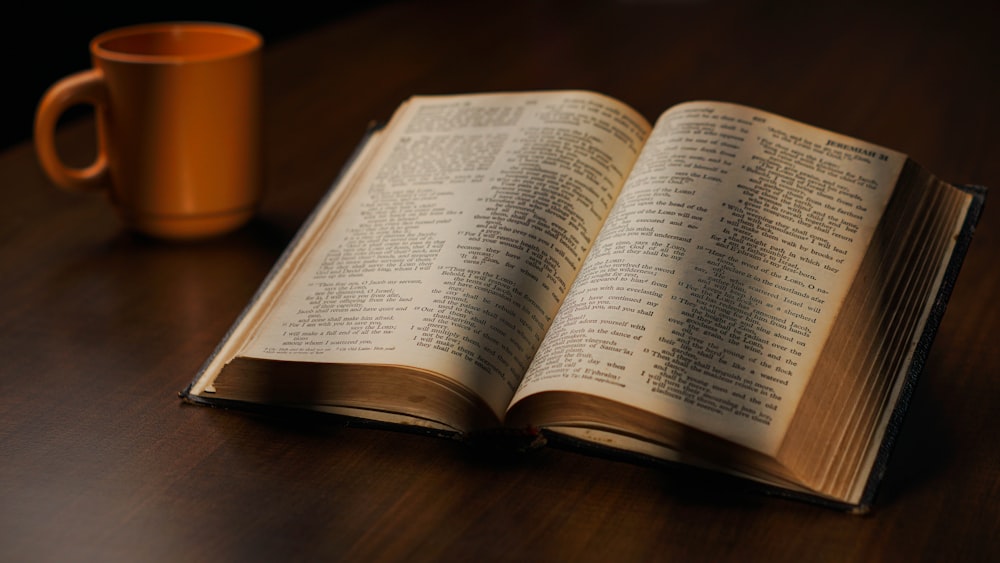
722,287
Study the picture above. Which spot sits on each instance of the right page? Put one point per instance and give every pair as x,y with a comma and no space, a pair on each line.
713,287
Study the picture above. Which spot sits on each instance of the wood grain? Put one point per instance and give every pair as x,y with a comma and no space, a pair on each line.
100,329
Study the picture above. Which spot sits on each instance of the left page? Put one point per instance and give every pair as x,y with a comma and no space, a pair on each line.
457,242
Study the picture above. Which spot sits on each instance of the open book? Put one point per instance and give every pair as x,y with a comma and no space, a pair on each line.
727,288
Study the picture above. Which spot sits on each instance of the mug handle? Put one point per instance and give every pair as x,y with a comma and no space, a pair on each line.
85,87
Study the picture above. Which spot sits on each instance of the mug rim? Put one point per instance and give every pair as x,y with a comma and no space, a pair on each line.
98,45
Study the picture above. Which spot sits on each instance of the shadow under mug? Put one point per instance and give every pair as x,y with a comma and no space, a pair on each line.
178,115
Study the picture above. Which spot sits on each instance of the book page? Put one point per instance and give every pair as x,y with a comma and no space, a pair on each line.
713,286
456,246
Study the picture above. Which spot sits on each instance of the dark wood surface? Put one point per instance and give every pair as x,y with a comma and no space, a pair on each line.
99,329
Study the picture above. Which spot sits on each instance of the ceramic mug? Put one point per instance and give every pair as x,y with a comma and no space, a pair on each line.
178,115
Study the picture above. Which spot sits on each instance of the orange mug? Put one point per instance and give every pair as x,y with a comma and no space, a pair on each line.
178,114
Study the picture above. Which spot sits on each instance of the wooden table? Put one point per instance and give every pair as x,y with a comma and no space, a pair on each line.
99,329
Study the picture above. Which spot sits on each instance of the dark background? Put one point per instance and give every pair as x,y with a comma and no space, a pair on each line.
99,330
43,43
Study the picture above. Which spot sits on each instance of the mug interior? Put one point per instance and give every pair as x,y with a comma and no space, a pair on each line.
171,42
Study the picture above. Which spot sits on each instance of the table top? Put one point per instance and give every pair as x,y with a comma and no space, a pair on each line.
100,329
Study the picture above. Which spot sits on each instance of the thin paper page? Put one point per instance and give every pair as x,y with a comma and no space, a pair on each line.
461,242
715,281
